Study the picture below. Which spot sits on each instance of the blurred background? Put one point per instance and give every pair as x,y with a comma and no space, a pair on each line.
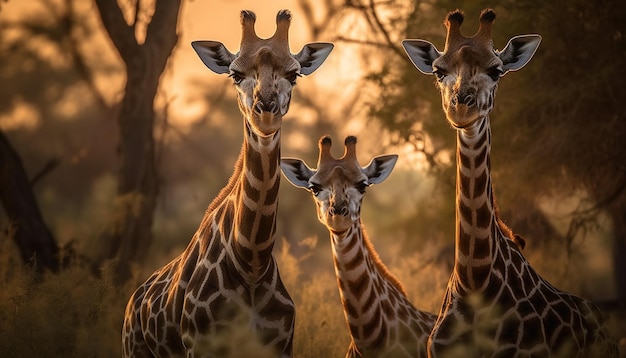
114,138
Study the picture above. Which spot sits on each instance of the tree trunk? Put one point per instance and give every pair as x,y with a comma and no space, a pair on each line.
128,238
618,216
36,244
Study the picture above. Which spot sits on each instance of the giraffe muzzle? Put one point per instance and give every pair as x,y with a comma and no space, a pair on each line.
468,100
268,107
341,210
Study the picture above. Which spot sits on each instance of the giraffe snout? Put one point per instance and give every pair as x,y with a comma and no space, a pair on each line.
266,106
339,209
467,99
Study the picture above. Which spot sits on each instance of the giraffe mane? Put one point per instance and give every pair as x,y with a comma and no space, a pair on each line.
379,264
506,230
234,177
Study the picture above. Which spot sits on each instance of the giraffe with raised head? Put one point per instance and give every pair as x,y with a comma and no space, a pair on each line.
495,304
227,273
381,319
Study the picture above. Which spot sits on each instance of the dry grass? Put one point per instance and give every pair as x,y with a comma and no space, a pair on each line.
73,314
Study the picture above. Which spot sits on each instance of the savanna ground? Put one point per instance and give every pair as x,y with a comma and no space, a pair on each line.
75,314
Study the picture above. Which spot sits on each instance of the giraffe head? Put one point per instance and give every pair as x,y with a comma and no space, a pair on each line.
338,185
469,68
264,71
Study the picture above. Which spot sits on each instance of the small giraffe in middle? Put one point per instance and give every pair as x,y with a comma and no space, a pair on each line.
381,319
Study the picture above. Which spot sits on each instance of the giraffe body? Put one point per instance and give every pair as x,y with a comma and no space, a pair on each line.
381,320
495,304
227,280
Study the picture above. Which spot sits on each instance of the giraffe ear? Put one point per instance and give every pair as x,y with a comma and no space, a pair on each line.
312,56
422,53
214,55
380,168
296,172
518,52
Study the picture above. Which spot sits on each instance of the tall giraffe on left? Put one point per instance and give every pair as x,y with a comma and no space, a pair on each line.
228,271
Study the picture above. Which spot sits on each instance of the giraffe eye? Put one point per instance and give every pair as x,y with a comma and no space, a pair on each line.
237,77
315,188
292,77
361,186
495,73
439,73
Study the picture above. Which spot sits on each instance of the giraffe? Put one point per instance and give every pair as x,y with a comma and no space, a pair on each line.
227,270
495,303
381,319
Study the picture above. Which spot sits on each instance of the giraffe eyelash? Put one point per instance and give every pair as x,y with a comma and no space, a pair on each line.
237,77
315,188
292,77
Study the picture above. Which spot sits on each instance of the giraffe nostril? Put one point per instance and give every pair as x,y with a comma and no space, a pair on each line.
270,107
340,209
468,100
273,108
258,107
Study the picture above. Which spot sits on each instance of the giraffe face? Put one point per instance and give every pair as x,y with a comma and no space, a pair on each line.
468,70
338,194
264,78
467,79
264,71
338,185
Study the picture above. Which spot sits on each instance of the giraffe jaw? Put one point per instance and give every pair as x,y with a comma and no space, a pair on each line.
462,116
265,123
338,223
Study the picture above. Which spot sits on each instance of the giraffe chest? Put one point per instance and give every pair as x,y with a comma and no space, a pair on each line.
220,302
517,313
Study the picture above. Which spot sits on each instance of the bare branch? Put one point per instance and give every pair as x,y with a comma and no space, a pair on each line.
361,42
49,167
384,31
122,35
161,31
317,28
137,10
79,62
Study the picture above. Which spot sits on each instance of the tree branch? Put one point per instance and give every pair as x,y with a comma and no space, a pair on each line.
161,30
383,30
50,166
77,57
122,35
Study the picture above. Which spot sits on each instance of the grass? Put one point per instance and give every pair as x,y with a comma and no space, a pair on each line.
74,314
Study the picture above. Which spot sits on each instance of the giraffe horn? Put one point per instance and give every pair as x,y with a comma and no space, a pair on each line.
453,24
350,151
283,20
486,20
248,18
324,144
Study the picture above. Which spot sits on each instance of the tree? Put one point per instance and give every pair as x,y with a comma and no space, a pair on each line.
570,116
138,178
30,80
27,227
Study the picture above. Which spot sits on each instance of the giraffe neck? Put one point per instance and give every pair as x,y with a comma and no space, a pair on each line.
364,286
474,206
255,198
